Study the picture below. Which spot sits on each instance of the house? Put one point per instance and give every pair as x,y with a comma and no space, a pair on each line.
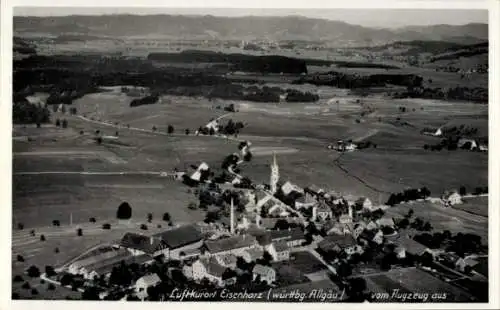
364,203
180,239
314,190
226,260
251,255
139,244
306,201
287,188
452,199
385,221
279,251
371,225
142,284
338,243
278,209
322,212
265,273
375,236
208,268
292,236
467,263
410,246
359,227
337,228
468,144
196,176
230,245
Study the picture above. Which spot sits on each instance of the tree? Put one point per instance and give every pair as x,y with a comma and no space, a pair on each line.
58,123
49,271
211,131
34,291
32,232
20,226
144,227
26,286
106,226
247,156
99,140
51,287
66,279
124,211
42,237
281,224
187,132
79,232
463,191
170,129
344,270
20,258
33,272
90,293
410,213
166,216
18,278
56,250
92,220
150,217
192,206
56,223
154,128
64,123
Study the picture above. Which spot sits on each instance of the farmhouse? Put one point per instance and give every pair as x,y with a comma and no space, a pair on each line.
365,203
208,268
279,251
180,239
322,212
265,273
337,243
289,188
139,244
232,245
306,201
142,284
251,255
410,246
292,236
452,199
226,260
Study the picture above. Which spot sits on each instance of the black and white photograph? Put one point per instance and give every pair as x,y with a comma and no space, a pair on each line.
322,155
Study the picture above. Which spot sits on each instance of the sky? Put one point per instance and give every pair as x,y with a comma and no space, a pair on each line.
382,18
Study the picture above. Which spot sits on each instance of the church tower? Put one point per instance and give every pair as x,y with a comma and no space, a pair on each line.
275,174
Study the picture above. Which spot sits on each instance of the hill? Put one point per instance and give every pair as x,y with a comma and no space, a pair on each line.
243,28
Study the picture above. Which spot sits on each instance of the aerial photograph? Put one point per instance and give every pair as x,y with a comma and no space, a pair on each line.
250,155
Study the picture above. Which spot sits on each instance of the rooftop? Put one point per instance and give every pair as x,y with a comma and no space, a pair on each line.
150,279
287,234
140,242
262,270
230,243
178,237
329,242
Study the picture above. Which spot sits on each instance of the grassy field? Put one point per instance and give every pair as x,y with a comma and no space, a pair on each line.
476,205
443,218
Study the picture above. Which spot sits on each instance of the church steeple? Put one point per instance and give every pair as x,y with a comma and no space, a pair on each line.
275,174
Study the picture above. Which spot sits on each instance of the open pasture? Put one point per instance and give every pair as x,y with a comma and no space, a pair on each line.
444,218
395,170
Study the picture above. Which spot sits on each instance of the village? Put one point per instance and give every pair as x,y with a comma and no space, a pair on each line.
280,236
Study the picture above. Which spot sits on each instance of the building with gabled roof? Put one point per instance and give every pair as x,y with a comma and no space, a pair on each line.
139,244
265,273
230,245
292,236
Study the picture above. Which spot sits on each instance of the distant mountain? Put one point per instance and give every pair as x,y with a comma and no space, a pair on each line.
243,28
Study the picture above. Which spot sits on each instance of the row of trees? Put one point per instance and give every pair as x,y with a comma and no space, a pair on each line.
408,195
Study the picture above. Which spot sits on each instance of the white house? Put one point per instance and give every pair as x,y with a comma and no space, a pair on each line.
279,251
197,174
265,273
365,203
452,199
322,212
142,284
208,268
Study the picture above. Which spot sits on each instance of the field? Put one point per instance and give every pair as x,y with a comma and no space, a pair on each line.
413,281
443,218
